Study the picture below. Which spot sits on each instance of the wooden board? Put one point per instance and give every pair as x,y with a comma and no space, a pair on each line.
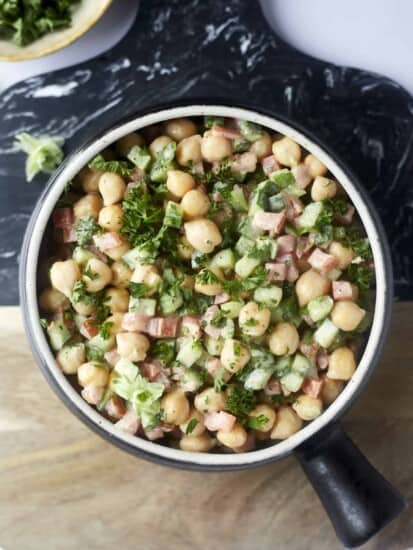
63,488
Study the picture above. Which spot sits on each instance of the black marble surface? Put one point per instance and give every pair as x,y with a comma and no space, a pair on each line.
198,48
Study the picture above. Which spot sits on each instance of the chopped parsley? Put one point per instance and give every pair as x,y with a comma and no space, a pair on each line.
91,274
257,422
240,402
360,275
97,300
85,228
105,330
121,167
137,290
191,426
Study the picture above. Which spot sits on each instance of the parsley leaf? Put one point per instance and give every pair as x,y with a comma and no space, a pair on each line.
191,426
85,228
105,330
137,290
361,275
240,402
257,422
121,167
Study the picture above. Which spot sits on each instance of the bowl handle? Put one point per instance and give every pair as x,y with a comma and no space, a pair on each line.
357,498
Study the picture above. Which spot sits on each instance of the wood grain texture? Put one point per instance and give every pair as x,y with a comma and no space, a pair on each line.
64,488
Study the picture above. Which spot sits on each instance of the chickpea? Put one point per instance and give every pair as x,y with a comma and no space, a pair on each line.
63,276
125,144
180,128
88,205
203,235
195,204
92,394
83,308
176,408
112,188
196,443
121,274
284,339
287,152
234,355
118,301
215,148
100,275
52,300
210,401
210,289
111,217
89,180
92,373
254,319
132,346
158,144
69,358
233,439
117,252
331,390
188,151
116,323
323,188
343,254
148,275
199,426
308,407
287,423
185,250
310,285
179,183
262,147
347,315
342,364
266,411
315,166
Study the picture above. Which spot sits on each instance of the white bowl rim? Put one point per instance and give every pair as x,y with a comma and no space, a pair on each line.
167,454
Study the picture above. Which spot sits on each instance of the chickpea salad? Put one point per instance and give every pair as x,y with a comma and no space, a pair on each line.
210,285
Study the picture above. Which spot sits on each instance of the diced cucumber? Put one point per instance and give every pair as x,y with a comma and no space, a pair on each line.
126,368
326,333
189,353
294,191
238,200
224,259
244,245
210,121
245,266
191,380
283,366
173,215
262,357
265,249
93,354
310,214
260,196
240,145
282,178
140,157
334,274
258,379
292,381
214,346
58,335
270,296
276,203
320,307
104,344
250,130
171,301
228,330
198,259
231,309
301,364
81,256
146,306
137,255
248,229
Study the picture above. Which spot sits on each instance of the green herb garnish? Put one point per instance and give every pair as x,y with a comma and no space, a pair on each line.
44,153
191,426
120,167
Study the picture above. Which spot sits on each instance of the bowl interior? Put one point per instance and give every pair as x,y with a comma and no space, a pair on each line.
36,247
85,15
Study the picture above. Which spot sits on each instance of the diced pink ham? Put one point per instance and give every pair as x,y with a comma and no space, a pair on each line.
163,379
270,221
150,369
342,290
222,298
309,350
347,217
228,133
63,218
92,248
322,359
135,322
209,315
92,393
154,433
106,241
321,261
312,386
221,421
191,326
302,176
163,327
129,423
286,244
69,234
293,206
273,387
304,245
269,165
249,445
115,407
89,329
277,271
112,357
244,163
